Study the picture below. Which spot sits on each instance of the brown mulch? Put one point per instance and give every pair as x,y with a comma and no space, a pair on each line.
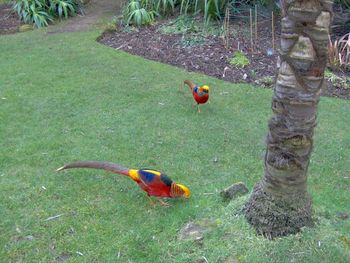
209,56
9,22
196,53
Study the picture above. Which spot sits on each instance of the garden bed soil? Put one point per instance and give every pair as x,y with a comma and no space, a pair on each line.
209,56
9,22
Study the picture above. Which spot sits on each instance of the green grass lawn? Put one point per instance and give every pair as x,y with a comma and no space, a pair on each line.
64,97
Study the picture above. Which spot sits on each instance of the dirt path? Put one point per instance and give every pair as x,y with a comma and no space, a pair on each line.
96,12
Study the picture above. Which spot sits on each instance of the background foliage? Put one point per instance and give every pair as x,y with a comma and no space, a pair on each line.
210,9
42,12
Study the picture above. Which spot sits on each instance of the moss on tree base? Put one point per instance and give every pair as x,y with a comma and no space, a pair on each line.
274,216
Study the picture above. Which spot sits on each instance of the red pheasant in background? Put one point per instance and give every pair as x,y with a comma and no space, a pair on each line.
153,182
200,94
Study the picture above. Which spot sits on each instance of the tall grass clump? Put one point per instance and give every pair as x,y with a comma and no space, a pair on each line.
41,12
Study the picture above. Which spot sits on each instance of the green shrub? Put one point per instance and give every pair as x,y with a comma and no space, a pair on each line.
183,24
140,17
239,59
215,9
33,11
136,13
339,52
164,6
63,8
210,9
41,12
192,41
337,81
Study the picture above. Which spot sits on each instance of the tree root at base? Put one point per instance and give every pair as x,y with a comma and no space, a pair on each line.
275,216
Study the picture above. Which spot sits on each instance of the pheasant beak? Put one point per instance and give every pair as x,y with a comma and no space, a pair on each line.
186,191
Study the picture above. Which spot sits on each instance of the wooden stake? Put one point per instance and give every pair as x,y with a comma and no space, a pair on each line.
273,31
224,36
251,28
227,26
256,25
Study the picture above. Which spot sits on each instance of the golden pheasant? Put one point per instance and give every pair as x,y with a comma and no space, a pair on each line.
200,94
153,182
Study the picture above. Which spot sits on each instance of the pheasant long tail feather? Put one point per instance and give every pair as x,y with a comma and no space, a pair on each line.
112,167
190,84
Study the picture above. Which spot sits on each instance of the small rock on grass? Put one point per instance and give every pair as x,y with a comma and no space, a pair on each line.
191,231
234,191
29,237
64,256
342,215
195,230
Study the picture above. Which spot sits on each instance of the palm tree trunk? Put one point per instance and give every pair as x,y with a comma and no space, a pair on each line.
279,204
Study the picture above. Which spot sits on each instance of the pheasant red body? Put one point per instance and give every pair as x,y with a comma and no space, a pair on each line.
200,97
200,94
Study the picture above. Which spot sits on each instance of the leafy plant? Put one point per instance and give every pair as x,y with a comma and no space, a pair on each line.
63,8
41,12
164,6
339,52
333,58
211,9
111,26
192,41
184,6
136,13
239,59
141,17
344,49
336,80
266,82
183,24
33,11
129,29
329,75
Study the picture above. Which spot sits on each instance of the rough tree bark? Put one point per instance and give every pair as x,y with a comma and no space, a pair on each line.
280,204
